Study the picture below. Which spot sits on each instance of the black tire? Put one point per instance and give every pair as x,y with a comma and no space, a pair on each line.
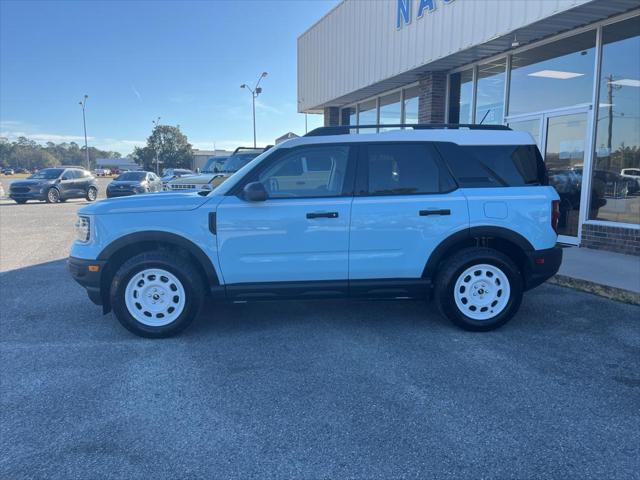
449,273
53,195
20,202
175,264
92,194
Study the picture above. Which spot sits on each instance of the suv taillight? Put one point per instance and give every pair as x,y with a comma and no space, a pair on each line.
555,214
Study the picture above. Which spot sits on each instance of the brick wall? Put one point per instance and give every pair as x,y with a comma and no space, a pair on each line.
331,116
615,239
432,98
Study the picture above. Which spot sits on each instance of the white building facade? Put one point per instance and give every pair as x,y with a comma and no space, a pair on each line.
566,71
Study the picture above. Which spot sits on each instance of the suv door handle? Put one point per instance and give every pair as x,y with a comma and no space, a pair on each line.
322,215
443,211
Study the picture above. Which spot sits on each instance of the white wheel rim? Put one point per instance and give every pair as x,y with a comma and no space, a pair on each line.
53,195
92,193
155,297
482,292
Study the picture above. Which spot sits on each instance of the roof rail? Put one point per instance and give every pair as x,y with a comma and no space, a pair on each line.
347,129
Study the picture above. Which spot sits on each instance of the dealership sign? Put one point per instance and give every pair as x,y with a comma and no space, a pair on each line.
403,9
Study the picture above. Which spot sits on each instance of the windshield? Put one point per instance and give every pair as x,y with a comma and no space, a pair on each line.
47,174
212,163
131,177
237,161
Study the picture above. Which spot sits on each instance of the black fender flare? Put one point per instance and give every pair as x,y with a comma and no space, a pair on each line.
163,237
466,235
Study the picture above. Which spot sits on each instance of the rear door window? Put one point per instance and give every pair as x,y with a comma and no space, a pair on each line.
495,165
403,169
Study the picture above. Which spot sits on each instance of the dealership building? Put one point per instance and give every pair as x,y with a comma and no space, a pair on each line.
566,71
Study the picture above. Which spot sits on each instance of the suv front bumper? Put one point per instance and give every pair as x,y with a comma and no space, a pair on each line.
90,279
541,265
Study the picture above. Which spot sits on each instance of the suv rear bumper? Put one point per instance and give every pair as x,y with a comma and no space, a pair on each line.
90,280
541,265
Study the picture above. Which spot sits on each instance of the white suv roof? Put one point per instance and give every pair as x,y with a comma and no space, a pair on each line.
458,136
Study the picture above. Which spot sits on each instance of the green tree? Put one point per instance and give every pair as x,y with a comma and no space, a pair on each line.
167,144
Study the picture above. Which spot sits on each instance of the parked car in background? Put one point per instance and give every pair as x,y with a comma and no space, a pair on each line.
133,183
22,170
465,217
102,172
215,164
8,171
240,157
632,174
202,182
55,185
171,173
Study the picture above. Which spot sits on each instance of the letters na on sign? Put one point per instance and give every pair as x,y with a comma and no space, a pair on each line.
403,9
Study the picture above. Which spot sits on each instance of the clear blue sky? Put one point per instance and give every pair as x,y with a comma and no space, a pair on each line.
181,60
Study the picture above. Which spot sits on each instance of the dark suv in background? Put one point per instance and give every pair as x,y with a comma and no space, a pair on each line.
55,185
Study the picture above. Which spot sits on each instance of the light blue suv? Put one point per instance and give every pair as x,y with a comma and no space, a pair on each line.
460,214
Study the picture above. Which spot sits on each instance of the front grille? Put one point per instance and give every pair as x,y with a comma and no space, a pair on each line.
183,186
19,189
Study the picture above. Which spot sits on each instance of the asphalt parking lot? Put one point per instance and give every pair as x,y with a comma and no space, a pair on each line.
305,390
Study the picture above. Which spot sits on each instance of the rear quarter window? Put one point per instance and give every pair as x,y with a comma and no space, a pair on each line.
495,165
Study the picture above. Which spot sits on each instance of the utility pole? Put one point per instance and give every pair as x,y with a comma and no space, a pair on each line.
255,91
83,102
156,124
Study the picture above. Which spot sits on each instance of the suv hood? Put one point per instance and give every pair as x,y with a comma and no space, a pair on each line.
153,202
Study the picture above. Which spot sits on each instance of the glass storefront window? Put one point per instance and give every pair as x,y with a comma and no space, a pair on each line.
490,93
367,113
555,75
390,108
616,160
460,96
411,104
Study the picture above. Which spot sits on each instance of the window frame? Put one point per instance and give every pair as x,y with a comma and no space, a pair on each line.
349,178
362,170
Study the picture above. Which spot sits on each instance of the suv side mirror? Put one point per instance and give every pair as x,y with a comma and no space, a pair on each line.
254,192
64,177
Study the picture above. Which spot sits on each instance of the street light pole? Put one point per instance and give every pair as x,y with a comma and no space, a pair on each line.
84,123
255,91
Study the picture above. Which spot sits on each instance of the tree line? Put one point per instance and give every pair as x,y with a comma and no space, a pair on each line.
167,145
29,154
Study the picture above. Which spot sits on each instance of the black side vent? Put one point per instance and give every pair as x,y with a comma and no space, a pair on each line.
212,223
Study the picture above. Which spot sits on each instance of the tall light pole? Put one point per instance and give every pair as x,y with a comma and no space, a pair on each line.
83,102
156,123
255,91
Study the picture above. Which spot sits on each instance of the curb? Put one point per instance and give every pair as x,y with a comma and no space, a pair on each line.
605,291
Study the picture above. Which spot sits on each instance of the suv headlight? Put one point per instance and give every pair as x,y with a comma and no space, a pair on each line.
83,229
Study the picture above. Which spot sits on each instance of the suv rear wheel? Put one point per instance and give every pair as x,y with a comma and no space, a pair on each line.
156,294
479,289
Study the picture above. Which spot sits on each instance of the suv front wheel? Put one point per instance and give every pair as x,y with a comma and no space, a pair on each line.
478,289
156,294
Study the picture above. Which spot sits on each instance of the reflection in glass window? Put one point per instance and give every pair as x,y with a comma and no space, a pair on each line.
616,171
555,75
390,108
367,114
460,92
490,93
411,104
